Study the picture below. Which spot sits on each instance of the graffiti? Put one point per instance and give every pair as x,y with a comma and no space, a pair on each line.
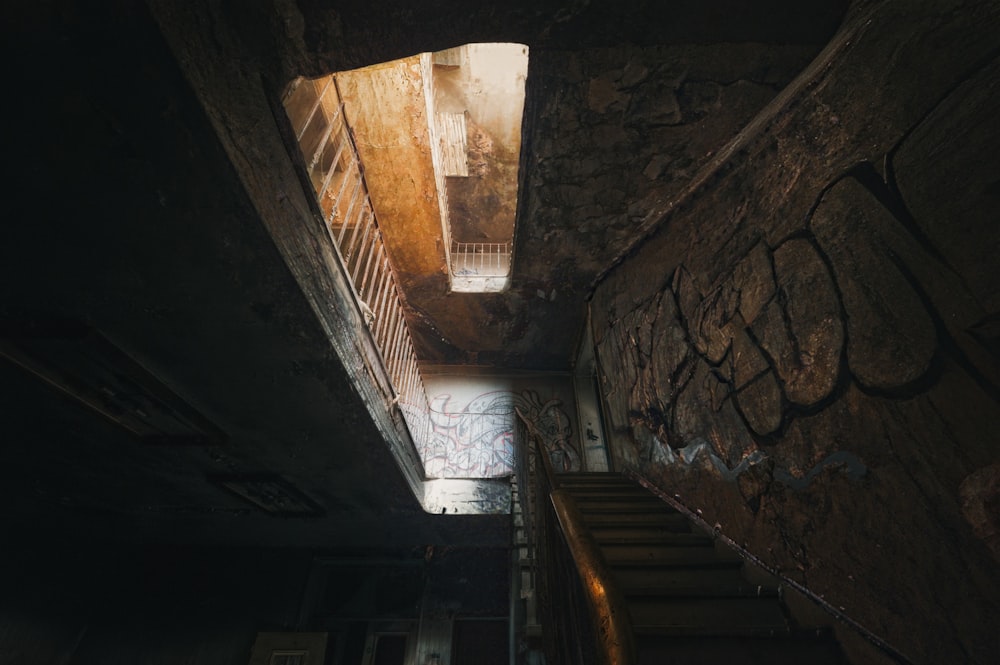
477,441
698,453
551,425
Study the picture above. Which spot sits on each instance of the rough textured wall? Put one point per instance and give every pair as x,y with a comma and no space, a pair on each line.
616,131
608,79
806,350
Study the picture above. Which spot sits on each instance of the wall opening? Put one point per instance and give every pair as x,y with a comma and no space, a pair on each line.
440,137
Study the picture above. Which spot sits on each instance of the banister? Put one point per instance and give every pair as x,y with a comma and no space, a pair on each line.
608,610
537,437
606,605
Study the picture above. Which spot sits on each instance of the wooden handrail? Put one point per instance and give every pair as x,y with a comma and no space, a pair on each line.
608,610
534,434
605,602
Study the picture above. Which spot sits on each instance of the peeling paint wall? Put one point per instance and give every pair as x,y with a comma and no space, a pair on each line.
806,348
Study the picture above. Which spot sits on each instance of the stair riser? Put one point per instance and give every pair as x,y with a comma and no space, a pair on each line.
740,616
718,579
616,497
654,538
675,523
620,506
737,651
692,556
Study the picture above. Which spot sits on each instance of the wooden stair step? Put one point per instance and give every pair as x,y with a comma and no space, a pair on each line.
705,591
666,554
571,483
707,616
622,506
591,476
596,493
613,519
693,562
603,486
716,580
792,649
653,537
640,531
597,488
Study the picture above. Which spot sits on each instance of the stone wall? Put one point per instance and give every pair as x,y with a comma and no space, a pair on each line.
806,348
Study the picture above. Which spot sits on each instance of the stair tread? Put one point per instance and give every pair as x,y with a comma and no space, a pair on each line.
692,563
640,529
607,506
657,553
595,488
622,518
717,616
665,539
644,575
617,497
787,649
688,600
591,474
746,591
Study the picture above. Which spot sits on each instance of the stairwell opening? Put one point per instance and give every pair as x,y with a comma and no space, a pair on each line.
414,164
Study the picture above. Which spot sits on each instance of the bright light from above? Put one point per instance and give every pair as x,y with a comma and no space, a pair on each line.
439,135
478,102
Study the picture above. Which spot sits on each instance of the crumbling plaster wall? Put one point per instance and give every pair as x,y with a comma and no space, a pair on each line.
805,349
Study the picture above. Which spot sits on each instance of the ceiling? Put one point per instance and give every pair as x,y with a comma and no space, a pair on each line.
624,104
145,154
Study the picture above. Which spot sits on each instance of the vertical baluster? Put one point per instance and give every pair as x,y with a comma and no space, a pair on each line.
404,366
340,194
328,178
352,249
406,379
415,384
312,111
374,294
359,252
369,226
400,355
381,316
323,141
348,178
350,212
386,345
392,312
390,342
401,358
374,256
396,350
410,368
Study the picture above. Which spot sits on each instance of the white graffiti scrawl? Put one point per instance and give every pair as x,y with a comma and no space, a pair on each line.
478,441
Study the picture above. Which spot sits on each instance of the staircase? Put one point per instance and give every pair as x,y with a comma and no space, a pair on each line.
689,600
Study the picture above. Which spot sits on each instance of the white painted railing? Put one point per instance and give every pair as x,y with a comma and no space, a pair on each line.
333,165
480,266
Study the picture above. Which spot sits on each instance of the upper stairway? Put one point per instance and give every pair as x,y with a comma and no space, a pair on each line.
689,599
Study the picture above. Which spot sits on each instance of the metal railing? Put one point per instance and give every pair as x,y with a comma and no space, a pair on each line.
480,259
337,175
584,617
